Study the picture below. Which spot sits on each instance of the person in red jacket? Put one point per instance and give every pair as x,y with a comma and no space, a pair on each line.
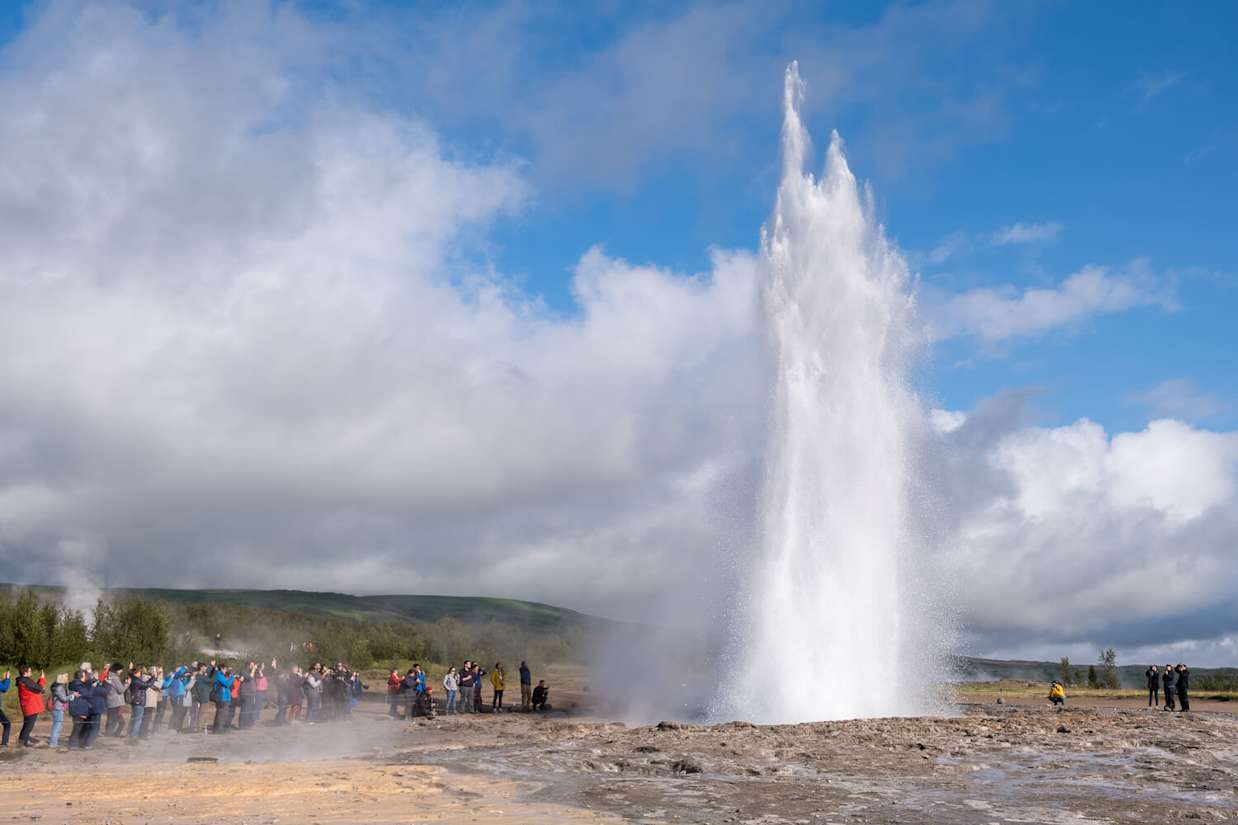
30,697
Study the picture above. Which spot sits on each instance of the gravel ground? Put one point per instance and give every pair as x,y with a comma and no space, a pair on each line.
989,763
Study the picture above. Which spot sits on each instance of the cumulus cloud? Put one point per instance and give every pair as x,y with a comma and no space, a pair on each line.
238,345
1085,538
1021,233
994,314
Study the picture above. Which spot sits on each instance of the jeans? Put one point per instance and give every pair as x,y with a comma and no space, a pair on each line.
178,716
1154,698
135,722
4,723
451,701
27,728
497,703
466,699
53,738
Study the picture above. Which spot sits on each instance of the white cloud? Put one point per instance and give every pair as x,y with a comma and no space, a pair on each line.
1180,398
237,346
995,314
1153,84
1021,233
1082,538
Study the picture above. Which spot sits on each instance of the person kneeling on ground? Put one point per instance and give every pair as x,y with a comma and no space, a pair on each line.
1057,694
540,694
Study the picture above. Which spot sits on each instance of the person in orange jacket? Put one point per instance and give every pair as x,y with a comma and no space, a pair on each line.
30,697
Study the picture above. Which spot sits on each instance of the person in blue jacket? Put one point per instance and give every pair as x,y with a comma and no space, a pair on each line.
4,720
98,709
178,687
222,697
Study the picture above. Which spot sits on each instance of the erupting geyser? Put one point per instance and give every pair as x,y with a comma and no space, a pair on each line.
824,631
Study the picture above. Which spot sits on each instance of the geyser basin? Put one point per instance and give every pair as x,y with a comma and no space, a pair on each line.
829,626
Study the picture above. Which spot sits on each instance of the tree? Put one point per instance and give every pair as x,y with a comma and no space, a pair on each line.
1064,671
131,629
1093,682
1109,669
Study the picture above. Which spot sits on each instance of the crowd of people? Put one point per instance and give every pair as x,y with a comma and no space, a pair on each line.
410,695
1174,680
212,697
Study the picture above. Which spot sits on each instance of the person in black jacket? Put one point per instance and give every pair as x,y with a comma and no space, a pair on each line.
1169,681
98,708
140,681
1184,681
1154,686
79,709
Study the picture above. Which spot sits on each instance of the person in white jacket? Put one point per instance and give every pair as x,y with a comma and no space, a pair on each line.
451,683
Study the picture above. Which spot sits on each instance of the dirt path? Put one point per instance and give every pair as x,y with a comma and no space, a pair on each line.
991,763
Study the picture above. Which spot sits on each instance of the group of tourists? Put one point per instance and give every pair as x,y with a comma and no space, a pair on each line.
179,700
1175,681
410,695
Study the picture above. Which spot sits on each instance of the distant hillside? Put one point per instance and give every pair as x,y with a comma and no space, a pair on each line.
470,610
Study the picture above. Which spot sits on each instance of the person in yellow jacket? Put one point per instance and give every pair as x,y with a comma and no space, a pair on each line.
497,681
1057,694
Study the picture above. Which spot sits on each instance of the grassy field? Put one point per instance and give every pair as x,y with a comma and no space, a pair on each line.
1024,690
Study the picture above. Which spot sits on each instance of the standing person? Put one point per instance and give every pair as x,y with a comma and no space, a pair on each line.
201,692
264,687
526,686
248,694
498,681
466,688
296,692
140,682
154,696
4,720
1154,686
98,692
1184,683
60,706
393,694
221,695
478,678
178,692
79,709
313,693
30,698
1169,681
451,684
115,701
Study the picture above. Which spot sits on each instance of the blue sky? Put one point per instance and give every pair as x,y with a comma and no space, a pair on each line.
376,265
1116,128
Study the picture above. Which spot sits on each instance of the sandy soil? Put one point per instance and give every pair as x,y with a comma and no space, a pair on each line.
991,763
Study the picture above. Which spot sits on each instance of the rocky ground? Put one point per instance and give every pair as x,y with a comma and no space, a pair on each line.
991,763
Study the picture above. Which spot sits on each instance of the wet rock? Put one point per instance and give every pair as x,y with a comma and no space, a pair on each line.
685,766
667,725
1063,729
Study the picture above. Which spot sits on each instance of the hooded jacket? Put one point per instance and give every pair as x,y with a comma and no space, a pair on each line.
1154,678
497,680
1169,680
223,687
79,705
202,689
60,697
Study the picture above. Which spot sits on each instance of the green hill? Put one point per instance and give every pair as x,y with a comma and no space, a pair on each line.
469,610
